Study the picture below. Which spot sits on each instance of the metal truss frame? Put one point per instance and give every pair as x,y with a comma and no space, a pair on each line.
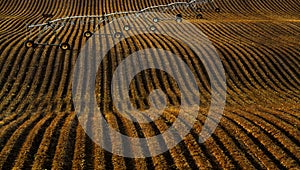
54,25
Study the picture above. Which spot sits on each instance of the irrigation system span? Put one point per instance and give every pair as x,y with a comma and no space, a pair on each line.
54,25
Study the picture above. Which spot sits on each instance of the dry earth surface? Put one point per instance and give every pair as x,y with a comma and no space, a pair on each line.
257,41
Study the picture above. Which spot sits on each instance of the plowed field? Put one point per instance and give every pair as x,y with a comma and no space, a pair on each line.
257,41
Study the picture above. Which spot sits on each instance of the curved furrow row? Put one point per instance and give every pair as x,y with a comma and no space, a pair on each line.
49,141
15,142
272,7
19,11
268,55
282,122
163,81
67,60
26,74
269,78
235,95
250,144
258,34
36,80
292,27
195,65
277,130
7,45
257,44
287,7
284,73
49,9
63,64
32,68
291,117
294,112
69,123
274,69
255,77
275,33
127,128
7,7
225,50
229,145
194,156
211,65
79,157
24,12
8,128
45,84
290,85
266,71
112,60
241,10
18,8
239,66
259,8
30,146
272,144
12,27
9,65
64,149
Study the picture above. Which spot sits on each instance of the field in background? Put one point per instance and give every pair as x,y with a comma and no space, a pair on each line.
257,41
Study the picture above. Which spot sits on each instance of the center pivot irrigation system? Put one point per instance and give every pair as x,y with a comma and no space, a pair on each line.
196,6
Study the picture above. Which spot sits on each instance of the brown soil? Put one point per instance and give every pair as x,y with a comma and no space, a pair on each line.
257,41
